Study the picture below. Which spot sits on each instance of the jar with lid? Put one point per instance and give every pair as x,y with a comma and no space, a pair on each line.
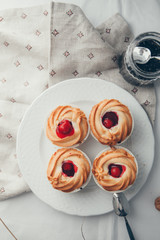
141,74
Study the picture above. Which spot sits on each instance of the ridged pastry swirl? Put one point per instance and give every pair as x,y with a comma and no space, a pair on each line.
119,157
55,174
117,133
79,123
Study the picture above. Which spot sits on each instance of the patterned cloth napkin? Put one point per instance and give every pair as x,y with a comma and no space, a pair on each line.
41,46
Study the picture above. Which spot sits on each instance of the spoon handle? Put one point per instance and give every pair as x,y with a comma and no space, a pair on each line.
129,229
156,57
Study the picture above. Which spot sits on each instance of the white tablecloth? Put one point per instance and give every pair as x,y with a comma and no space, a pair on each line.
29,218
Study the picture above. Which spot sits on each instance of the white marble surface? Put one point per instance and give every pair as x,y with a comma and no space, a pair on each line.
29,218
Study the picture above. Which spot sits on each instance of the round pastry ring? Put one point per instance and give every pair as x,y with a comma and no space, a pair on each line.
100,119
88,132
118,147
89,176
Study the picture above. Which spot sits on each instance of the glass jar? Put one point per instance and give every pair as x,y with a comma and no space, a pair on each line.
141,74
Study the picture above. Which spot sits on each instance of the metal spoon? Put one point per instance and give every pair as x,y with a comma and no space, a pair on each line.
142,55
121,208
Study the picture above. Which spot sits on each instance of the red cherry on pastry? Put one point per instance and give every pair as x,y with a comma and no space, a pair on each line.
110,119
64,129
108,123
116,170
65,126
69,168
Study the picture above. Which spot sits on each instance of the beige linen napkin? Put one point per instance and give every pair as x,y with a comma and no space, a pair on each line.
46,44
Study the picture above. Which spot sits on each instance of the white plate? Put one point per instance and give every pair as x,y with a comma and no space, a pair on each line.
34,149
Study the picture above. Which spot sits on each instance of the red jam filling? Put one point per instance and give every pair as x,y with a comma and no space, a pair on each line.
69,168
64,129
116,170
110,119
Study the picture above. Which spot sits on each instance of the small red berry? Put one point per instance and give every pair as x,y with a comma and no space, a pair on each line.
65,126
115,172
64,129
69,168
108,123
110,119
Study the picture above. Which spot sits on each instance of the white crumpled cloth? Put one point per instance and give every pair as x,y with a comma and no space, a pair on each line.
46,44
